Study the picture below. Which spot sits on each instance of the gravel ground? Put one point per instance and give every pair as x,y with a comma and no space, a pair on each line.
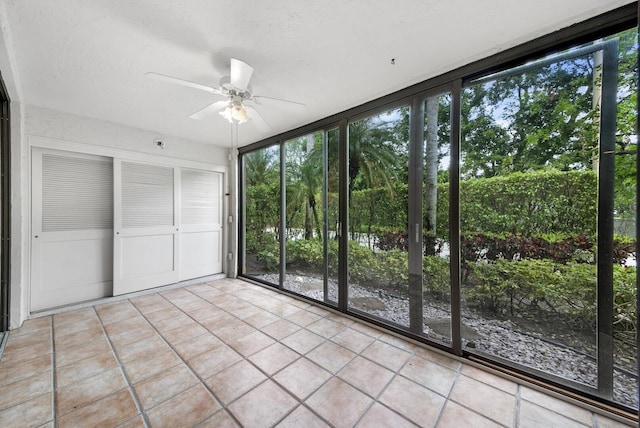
490,336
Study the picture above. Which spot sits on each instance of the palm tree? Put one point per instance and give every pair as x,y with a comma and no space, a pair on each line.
304,181
371,154
261,166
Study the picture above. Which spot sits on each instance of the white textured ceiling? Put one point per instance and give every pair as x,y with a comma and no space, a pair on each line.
89,57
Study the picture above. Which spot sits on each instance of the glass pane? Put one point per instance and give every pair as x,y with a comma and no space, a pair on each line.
305,216
625,258
435,193
262,214
378,273
528,202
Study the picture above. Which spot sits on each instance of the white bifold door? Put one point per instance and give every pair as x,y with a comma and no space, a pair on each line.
71,229
145,245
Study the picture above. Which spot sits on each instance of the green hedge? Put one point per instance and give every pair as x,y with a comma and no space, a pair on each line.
531,203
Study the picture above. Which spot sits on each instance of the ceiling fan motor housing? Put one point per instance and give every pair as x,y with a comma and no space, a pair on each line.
225,83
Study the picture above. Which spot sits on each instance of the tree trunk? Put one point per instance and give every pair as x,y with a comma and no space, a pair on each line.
308,220
431,175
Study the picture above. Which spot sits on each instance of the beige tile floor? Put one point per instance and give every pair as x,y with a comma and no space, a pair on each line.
229,353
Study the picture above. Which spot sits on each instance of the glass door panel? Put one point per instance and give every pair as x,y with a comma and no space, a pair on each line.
539,159
528,203
378,280
261,176
306,231
435,253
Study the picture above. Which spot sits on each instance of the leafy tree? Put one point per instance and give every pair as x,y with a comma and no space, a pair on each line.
626,146
304,181
372,153
262,166
262,195
547,117
373,156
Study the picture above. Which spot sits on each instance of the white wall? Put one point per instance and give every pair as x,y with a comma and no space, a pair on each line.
57,125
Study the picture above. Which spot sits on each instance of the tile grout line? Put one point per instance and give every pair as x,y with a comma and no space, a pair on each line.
54,376
357,354
193,372
132,391
272,376
246,359
447,397
335,375
475,411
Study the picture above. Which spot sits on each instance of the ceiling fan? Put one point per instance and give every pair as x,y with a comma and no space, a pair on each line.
237,91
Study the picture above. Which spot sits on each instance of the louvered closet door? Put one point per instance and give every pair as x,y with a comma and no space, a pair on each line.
200,223
72,228
146,233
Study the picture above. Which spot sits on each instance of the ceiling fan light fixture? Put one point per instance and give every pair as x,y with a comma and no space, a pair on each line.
226,113
239,113
235,110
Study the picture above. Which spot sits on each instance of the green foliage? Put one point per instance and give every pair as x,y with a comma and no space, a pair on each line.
306,253
262,209
532,203
566,290
374,209
625,312
504,287
436,274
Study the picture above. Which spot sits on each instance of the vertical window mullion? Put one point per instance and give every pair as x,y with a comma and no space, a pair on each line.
454,217
416,166
343,254
605,218
325,216
283,215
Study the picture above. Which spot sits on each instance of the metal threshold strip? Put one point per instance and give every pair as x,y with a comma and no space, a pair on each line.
556,390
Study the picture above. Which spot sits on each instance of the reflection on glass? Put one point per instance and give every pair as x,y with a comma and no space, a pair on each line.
262,214
435,192
529,219
625,312
528,202
378,177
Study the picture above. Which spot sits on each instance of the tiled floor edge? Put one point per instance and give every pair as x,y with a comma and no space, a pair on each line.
632,420
112,299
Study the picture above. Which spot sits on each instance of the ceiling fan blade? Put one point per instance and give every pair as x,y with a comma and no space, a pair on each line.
211,108
175,80
259,98
241,73
255,117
